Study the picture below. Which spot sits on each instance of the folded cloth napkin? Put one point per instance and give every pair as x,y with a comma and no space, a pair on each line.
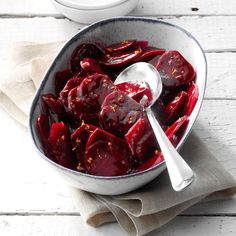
140,211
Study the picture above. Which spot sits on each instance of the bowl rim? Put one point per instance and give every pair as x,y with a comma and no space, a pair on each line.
78,6
65,47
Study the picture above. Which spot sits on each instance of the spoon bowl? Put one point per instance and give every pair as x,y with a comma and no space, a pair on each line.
143,72
180,173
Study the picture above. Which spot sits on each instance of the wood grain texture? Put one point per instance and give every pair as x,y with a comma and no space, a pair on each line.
74,226
145,7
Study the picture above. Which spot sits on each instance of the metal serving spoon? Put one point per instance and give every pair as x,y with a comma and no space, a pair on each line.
181,175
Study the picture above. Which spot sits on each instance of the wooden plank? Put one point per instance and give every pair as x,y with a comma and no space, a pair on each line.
214,33
28,185
221,81
74,225
145,7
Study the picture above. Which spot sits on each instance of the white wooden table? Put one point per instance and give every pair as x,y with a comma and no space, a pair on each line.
32,199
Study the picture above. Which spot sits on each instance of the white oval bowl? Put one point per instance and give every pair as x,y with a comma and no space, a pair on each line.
89,16
157,33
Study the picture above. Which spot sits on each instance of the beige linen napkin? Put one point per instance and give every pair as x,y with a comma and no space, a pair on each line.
138,212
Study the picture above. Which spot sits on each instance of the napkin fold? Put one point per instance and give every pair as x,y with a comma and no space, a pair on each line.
140,211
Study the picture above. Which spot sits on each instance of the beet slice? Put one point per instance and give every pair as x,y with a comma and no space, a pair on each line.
57,111
72,83
193,93
106,155
121,58
174,69
43,127
91,66
119,112
59,140
139,91
148,53
85,100
141,140
153,161
175,108
142,43
85,50
121,46
61,79
173,132
79,139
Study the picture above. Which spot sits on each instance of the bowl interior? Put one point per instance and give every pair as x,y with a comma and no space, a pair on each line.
157,33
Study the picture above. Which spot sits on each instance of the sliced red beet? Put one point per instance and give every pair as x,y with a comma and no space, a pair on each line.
193,93
79,140
142,43
85,100
121,46
119,112
43,127
106,155
72,83
174,69
148,53
175,108
174,135
121,58
141,140
55,106
139,91
173,132
153,161
60,143
91,66
61,79
85,50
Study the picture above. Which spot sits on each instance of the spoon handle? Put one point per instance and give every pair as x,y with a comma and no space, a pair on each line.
181,175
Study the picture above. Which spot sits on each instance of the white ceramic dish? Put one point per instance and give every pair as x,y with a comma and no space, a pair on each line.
90,4
87,16
158,33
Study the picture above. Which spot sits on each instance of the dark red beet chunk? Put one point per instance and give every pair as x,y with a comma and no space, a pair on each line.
121,46
121,58
119,112
153,161
148,53
193,93
60,143
85,50
72,83
61,79
174,69
175,108
91,66
85,100
55,106
142,43
43,126
174,135
139,91
173,132
106,156
79,139
141,140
